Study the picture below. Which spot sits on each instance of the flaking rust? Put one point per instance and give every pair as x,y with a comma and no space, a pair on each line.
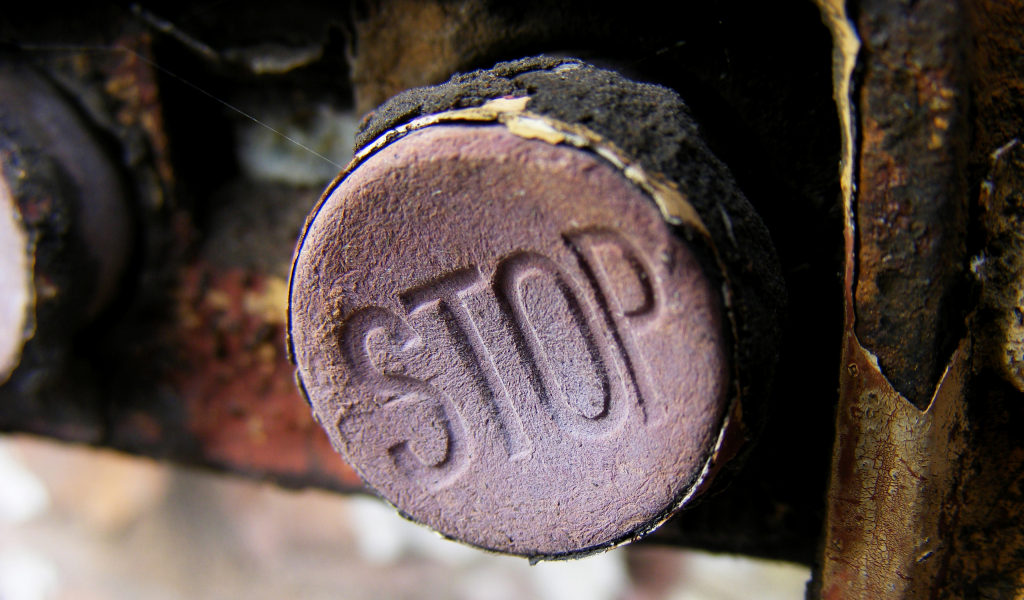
895,466
894,482
236,385
924,497
985,537
912,192
988,536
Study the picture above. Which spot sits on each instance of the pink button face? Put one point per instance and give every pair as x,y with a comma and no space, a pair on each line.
507,341
15,283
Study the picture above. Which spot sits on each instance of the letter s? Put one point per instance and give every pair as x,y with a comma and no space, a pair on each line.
426,437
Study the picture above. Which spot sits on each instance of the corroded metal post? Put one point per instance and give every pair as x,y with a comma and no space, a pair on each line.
66,231
928,421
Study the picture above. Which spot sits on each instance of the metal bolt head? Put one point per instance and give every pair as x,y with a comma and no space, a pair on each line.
508,342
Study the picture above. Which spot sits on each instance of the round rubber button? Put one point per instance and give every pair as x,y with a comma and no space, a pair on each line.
508,342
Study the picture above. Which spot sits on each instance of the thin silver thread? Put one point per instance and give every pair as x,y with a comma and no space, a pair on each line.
65,48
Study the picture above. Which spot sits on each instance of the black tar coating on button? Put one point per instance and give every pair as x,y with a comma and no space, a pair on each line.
651,124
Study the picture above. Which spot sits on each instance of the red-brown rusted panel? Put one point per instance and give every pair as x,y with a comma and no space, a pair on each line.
237,385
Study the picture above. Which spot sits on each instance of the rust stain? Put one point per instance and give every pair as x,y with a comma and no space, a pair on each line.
1000,268
131,82
911,215
404,44
896,467
238,385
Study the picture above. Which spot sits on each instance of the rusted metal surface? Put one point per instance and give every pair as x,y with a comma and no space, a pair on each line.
896,464
988,536
912,198
998,88
129,80
230,371
923,499
405,44
44,123
225,391
894,485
